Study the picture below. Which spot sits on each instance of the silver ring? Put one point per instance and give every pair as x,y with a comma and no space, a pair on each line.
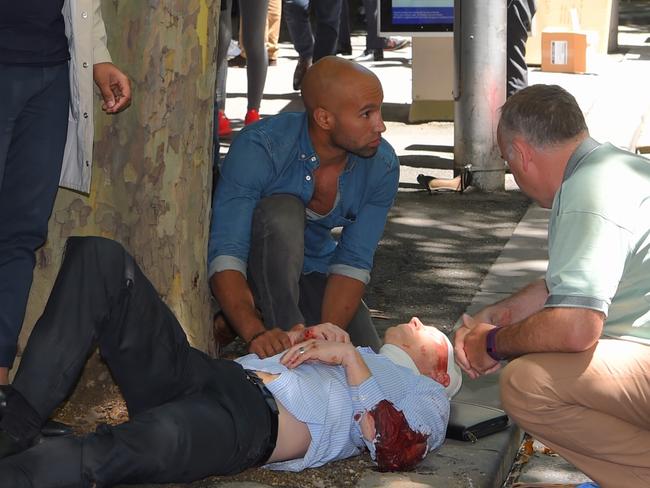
301,350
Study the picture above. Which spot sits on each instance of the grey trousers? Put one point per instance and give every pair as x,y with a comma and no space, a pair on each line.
284,295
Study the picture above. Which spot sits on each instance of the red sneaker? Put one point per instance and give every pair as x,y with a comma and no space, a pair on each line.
223,126
252,116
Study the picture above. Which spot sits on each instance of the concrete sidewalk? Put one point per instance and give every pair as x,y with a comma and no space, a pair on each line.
447,253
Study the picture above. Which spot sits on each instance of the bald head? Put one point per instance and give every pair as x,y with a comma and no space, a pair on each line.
333,80
343,102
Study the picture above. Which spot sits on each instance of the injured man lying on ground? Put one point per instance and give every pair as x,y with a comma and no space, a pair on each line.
191,416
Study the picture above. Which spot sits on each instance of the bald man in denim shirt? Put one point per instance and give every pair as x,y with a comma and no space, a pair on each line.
286,183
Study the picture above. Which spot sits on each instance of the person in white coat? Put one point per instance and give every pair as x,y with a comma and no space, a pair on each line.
50,53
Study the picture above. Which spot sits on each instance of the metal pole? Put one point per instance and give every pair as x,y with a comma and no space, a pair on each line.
480,51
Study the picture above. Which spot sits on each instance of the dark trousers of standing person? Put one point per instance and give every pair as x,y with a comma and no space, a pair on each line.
344,44
283,293
190,416
373,41
520,16
327,14
33,129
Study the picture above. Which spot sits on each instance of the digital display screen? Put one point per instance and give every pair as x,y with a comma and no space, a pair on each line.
416,16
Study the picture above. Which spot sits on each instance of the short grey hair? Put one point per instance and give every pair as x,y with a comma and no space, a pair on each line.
543,114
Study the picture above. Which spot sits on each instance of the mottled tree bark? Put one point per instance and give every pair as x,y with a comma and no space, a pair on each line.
152,163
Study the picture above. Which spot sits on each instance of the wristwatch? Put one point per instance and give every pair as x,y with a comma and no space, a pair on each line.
491,344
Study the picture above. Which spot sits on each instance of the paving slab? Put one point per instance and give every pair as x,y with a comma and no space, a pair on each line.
524,257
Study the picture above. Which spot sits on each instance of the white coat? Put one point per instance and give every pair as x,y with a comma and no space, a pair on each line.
84,28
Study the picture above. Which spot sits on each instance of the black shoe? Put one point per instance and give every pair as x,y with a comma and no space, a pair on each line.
301,68
52,428
238,61
9,445
423,181
370,55
466,178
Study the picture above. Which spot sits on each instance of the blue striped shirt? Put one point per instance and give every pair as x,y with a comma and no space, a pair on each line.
319,395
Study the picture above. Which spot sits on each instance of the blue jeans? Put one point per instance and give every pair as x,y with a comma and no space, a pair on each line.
33,130
327,13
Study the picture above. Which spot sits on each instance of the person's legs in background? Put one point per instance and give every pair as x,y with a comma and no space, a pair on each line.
376,45
253,22
296,13
33,129
328,17
344,45
589,407
225,35
520,15
273,19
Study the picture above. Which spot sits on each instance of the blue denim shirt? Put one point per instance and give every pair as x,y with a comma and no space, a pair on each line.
276,156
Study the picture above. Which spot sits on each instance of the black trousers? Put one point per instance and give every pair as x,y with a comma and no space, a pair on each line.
520,15
190,416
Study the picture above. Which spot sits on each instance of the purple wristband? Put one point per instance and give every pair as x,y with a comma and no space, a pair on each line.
491,344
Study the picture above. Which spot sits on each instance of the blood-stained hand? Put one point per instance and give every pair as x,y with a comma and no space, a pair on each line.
398,447
325,331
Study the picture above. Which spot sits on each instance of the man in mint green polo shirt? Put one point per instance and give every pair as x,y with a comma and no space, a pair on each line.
579,341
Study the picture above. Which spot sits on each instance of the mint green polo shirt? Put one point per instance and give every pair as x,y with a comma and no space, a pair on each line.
599,239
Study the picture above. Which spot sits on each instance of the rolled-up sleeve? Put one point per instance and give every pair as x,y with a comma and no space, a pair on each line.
356,249
587,256
245,173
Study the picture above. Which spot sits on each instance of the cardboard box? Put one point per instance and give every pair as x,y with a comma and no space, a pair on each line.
597,16
564,52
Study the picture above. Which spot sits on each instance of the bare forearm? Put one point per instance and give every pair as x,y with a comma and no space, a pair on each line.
236,300
517,307
551,330
341,300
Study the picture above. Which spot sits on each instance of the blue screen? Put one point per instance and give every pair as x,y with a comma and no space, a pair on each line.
422,12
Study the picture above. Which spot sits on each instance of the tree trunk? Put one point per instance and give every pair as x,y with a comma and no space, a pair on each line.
152,163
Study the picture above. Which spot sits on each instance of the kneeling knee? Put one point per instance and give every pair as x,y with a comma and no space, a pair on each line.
517,382
279,214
